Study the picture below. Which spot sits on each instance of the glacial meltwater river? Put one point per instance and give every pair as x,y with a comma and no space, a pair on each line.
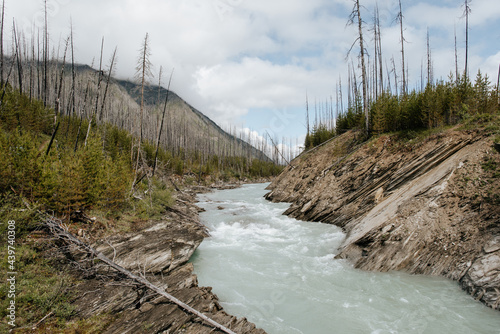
281,274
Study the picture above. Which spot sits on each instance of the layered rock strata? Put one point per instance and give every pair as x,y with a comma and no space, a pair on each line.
427,207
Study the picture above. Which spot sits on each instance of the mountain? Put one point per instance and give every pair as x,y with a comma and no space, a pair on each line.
181,113
186,130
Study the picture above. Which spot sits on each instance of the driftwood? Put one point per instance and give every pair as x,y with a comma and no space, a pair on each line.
56,228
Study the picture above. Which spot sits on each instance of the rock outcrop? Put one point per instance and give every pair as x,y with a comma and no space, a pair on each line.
431,207
159,253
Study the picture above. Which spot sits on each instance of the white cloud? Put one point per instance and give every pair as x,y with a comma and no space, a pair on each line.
235,88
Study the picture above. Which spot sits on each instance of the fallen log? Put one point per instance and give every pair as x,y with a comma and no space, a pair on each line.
56,227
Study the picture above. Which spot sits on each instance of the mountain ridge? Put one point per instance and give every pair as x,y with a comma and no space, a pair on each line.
154,94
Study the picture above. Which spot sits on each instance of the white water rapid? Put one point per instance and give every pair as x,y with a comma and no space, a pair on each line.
281,274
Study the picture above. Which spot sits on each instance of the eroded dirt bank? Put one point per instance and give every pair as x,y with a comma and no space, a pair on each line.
160,253
428,206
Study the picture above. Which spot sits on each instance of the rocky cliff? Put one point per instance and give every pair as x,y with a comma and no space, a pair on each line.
425,206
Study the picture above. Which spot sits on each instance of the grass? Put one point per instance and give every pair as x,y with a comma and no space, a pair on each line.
490,123
489,164
40,289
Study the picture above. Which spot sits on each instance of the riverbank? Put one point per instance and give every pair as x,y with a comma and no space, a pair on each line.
424,206
160,253
106,301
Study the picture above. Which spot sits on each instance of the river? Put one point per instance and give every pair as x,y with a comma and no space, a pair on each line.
281,274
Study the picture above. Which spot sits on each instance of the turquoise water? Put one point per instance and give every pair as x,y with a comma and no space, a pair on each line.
281,274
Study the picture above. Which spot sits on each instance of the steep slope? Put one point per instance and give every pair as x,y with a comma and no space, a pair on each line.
180,111
185,129
430,207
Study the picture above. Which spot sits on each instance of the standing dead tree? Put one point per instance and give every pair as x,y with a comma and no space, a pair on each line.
61,78
467,11
498,85
399,19
4,88
456,55
143,72
99,80
377,63
110,73
355,17
161,124
17,43
429,60
1,43
45,56
73,76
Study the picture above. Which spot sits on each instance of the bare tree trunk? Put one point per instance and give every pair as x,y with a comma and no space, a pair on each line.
498,85
52,138
429,60
81,116
375,54
357,13
422,75
389,87
381,65
8,76
19,58
73,75
466,14
45,56
58,99
400,18
99,79
161,125
363,69
395,75
97,97
107,83
144,68
32,66
38,76
1,43
456,56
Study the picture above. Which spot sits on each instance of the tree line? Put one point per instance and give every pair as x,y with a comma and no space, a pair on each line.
383,102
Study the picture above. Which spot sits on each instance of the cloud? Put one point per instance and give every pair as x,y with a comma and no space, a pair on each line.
237,87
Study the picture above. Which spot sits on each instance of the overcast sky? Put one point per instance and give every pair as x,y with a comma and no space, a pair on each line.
250,62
